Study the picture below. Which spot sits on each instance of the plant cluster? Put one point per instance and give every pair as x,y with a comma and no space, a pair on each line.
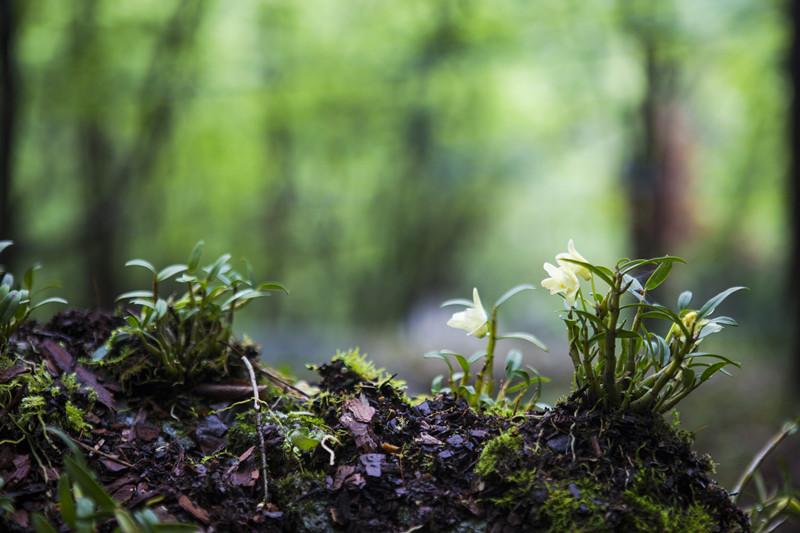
178,339
629,351
478,388
16,301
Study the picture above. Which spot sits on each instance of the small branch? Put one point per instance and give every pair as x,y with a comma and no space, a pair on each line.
257,407
223,391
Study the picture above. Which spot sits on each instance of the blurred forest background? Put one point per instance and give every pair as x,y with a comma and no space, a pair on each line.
378,157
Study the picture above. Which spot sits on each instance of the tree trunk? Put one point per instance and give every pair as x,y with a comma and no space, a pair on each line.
9,18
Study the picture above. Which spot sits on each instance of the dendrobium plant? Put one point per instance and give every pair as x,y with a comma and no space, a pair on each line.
475,320
619,358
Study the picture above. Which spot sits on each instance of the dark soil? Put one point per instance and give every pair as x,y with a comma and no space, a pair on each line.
399,466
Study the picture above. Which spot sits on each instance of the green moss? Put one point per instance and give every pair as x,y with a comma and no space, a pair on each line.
74,418
651,510
365,369
574,510
502,448
647,514
305,512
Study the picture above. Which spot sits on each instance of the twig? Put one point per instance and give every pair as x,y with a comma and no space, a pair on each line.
257,407
227,391
788,429
102,453
287,387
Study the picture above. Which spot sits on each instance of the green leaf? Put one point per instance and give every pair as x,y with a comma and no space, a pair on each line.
711,370
161,308
711,305
194,257
626,334
714,356
684,300
724,320
27,279
41,525
66,503
626,267
91,488
513,362
273,286
527,337
687,378
141,263
170,271
436,384
601,272
126,523
658,276
134,294
634,286
47,301
100,353
462,362
512,292
457,301
476,357
9,306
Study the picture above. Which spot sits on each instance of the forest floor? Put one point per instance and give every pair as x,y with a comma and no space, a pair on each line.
192,454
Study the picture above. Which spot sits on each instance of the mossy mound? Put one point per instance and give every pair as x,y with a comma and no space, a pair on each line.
395,465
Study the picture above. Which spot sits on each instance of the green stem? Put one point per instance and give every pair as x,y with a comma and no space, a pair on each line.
486,376
610,360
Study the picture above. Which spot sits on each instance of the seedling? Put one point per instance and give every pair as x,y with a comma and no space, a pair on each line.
180,339
16,302
478,388
619,358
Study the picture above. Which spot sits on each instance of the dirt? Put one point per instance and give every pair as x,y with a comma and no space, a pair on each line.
435,465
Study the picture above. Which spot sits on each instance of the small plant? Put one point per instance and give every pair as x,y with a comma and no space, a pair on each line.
772,506
84,504
619,357
16,302
179,339
478,389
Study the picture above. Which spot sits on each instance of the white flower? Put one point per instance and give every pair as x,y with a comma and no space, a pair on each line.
473,319
561,281
573,254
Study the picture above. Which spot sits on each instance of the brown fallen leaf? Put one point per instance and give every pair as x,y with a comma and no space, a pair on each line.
112,465
58,355
194,510
104,396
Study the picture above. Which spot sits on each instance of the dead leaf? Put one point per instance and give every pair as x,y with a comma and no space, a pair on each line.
113,465
194,510
58,355
360,409
89,379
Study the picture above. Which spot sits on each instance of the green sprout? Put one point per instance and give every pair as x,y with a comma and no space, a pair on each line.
177,339
16,302
478,389
619,358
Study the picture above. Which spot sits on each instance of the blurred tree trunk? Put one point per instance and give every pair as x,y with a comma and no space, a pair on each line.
794,180
428,210
659,176
109,180
9,21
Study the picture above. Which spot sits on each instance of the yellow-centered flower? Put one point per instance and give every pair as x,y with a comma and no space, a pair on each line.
561,281
573,254
473,319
